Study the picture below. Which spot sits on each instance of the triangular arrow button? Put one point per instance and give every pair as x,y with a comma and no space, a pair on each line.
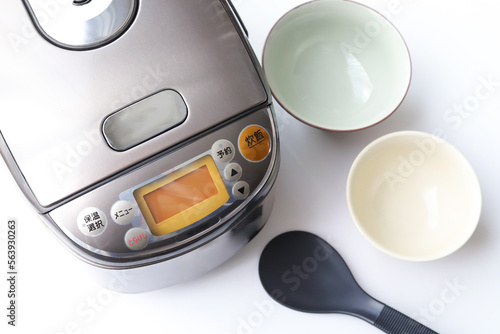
234,172
241,190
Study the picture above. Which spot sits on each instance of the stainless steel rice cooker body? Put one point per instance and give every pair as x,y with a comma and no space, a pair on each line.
148,142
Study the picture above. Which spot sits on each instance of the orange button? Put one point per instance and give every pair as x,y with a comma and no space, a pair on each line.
254,143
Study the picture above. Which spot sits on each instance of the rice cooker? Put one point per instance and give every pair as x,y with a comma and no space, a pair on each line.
142,132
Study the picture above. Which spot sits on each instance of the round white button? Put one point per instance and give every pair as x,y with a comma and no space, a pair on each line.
223,151
122,212
136,238
241,190
232,172
91,221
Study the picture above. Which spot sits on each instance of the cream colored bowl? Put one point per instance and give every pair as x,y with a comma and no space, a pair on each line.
337,65
414,196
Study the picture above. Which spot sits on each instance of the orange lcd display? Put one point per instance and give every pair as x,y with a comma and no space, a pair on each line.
182,197
181,194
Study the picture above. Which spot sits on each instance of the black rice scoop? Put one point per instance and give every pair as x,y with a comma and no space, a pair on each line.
303,272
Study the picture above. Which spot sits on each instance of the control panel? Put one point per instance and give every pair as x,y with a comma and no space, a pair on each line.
176,198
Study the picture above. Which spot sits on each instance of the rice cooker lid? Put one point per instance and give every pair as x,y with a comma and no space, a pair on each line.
57,102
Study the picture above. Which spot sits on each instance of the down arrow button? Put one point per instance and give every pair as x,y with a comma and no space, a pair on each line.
241,190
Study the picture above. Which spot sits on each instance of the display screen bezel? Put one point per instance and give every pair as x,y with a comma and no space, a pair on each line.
191,214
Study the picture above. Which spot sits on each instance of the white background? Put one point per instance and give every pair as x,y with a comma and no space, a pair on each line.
454,46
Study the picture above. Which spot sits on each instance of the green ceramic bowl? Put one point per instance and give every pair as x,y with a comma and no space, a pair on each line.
337,65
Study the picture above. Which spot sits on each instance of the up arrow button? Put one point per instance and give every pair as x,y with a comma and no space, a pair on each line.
232,172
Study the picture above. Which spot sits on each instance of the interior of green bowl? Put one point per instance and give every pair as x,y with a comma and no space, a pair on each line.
337,65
